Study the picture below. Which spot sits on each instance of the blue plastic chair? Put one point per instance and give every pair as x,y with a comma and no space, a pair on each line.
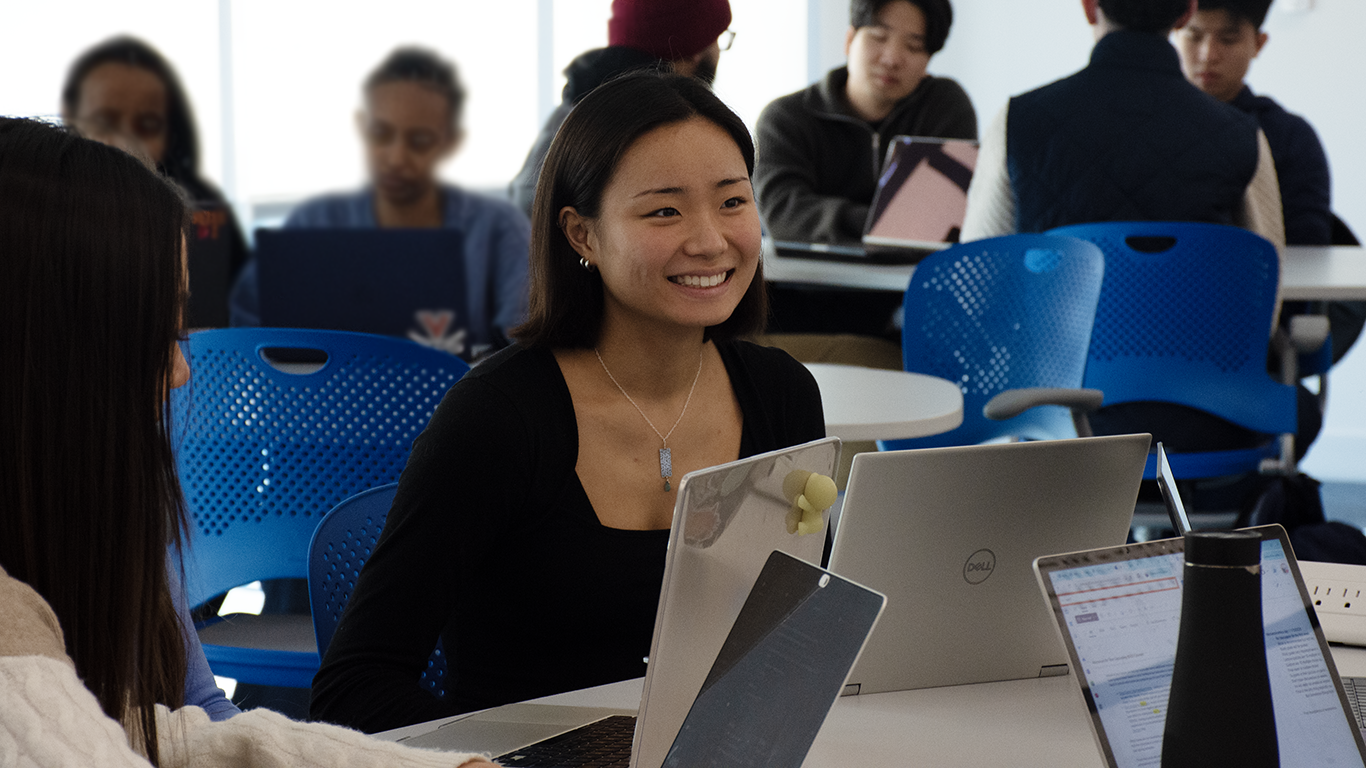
264,453
1185,316
341,544
1008,319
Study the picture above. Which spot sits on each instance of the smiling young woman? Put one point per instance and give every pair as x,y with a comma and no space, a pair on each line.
542,492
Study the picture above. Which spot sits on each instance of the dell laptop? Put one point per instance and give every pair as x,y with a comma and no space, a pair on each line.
950,535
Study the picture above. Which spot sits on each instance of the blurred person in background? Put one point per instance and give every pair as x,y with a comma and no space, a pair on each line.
821,151
1217,47
665,35
409,125
123,92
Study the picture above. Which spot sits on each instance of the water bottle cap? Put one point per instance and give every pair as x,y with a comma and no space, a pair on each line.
1240,548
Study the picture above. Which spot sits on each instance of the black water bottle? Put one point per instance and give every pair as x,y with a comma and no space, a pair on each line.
1219,711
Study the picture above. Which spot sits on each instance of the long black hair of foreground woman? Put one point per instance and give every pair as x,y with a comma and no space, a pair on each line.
91,288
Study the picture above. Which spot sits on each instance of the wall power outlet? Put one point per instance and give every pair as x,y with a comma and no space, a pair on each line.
1338,593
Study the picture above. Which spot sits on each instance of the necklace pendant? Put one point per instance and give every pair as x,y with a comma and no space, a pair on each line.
666,466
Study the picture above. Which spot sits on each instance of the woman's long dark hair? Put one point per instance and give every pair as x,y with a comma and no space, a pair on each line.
566,302
181,162
91,291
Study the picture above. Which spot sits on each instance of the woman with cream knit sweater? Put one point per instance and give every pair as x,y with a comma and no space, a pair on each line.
92,649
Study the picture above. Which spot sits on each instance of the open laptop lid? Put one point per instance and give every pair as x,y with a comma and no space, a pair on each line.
922,195
1118,611
779,671
394,282
949,534
727,521
1166,483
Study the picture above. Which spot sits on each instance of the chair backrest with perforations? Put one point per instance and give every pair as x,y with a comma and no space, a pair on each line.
264,453
341,544
1185,316
998,314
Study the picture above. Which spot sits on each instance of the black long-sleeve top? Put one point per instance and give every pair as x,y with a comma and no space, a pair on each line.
493,546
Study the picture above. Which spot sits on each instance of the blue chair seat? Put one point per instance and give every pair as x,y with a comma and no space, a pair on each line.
275,647
1212,463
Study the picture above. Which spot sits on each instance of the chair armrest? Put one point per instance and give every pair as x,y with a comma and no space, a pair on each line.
1013,402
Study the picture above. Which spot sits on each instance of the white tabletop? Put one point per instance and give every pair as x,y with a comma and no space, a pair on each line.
876,404
1020,723
1326,273
836,274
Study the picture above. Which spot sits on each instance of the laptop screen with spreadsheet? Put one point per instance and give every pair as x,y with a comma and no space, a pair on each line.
1119,612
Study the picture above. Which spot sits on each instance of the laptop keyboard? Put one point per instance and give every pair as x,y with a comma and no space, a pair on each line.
604,743
1356,691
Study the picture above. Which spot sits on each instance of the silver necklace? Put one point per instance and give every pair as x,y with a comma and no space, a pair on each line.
666,461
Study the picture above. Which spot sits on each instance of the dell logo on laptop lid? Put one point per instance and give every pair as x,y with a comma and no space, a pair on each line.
979,566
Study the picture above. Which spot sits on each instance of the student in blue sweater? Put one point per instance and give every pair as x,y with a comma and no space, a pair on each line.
410,124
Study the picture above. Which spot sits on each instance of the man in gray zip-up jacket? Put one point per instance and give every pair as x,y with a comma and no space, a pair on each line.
820,149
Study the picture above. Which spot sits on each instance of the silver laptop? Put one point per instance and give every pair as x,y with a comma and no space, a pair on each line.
1171,497
727,520
922,196
1118,611
949,534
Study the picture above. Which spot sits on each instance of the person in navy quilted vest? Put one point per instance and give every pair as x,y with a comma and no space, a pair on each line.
1125,139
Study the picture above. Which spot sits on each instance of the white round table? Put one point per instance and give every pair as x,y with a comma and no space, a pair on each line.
876,404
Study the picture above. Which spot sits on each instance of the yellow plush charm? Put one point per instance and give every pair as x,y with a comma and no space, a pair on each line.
811,494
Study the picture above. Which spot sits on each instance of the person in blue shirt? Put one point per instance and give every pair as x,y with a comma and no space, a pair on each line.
410,124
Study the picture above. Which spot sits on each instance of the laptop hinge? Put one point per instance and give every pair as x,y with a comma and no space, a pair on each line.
1053,670
851,689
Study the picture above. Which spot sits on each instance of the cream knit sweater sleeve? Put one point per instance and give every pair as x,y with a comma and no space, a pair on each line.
261,738
49,720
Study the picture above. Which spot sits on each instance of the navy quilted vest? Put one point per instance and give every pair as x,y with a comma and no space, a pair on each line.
1127,139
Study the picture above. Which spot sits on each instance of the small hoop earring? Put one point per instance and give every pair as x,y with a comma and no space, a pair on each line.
586,264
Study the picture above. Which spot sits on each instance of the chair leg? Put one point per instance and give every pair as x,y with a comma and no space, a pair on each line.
1285,466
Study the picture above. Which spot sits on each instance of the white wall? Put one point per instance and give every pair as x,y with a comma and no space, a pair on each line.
1313,64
